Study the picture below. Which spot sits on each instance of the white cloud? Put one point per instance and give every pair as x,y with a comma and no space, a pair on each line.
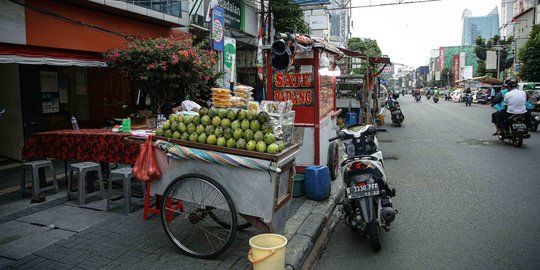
407,33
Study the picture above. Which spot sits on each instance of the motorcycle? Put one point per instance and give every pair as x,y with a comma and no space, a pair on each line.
417,97
535,120
515,130
395,111
367,205
428,97
447,97
468,100
435,99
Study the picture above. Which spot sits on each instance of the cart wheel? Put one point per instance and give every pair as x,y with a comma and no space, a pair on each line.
243,225
333,159
191,228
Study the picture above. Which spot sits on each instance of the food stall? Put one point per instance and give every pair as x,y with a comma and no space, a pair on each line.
308,79
223,169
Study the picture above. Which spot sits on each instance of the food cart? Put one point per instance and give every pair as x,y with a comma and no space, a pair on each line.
310,83
205,187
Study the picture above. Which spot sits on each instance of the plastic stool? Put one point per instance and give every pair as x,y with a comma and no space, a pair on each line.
83,168
125,174
35,166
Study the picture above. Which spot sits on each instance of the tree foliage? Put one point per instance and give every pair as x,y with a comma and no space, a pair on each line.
366,46
529,54
482,46
288,18
169,69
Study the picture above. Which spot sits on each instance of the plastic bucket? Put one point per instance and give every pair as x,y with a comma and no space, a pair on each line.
267,251
298,188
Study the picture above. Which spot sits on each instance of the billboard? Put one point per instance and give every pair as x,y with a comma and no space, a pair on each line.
521,6
455,66
311,2
491,60
466,72
318,22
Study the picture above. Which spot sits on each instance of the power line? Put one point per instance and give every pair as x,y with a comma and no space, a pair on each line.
386,4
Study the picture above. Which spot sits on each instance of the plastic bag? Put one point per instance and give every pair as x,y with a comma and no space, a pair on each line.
146,167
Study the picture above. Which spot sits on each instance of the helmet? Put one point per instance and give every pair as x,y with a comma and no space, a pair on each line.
511,82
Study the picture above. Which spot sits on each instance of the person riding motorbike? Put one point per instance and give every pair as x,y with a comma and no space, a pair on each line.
498,105
436,92
417,93
514,102
446,94
467,92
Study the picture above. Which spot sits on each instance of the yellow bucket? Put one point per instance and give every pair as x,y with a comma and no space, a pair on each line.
380,119
267,251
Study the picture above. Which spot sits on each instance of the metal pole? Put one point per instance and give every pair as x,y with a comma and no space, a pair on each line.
498,63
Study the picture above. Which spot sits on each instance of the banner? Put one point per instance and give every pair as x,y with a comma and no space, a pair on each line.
491,60
218,25
229,62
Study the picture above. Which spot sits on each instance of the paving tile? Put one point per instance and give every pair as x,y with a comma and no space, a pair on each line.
68,217
20,239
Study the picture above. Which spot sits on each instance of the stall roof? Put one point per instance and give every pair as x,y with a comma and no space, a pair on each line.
377,60
483,79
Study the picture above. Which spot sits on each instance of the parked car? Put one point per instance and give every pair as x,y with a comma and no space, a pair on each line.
482,96
456,95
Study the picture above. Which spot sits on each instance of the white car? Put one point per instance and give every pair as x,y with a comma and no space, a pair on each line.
456,95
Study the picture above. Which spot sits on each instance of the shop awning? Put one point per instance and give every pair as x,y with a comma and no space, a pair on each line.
32,55
483,79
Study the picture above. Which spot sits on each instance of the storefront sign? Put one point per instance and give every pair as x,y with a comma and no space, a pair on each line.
218,25
49,81
295,86
233,13
229,61
455,67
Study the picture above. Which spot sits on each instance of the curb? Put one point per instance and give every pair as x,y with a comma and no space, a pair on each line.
310,227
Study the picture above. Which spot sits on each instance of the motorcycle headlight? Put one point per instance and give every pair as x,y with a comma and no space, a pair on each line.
537,118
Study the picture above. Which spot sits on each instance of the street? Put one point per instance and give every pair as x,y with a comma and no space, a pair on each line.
465,199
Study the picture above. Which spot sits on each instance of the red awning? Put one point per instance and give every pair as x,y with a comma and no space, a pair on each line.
11,53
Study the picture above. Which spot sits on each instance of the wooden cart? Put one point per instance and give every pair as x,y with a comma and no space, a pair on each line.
204,188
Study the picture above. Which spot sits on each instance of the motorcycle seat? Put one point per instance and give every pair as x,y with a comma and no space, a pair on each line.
358,158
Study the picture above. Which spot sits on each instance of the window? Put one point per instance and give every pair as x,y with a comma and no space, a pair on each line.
170,7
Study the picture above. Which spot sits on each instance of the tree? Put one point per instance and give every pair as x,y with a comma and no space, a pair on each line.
483,46
529,54
169,69
288,17
366,46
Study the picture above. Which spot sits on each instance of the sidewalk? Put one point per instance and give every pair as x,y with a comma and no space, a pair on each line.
58,234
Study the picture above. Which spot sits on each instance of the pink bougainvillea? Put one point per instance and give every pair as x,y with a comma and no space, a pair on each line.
173,67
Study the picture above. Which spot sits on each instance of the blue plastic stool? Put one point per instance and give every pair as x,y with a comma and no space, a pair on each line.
350,119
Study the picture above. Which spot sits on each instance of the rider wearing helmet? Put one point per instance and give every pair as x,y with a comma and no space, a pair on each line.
514,102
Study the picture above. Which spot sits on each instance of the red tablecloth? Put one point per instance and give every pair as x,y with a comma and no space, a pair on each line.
97,145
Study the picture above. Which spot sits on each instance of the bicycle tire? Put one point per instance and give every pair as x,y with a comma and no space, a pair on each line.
190,244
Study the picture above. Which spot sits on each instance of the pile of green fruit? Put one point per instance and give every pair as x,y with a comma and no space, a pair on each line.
241,129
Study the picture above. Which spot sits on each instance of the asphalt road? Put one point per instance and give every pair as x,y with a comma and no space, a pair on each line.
465,199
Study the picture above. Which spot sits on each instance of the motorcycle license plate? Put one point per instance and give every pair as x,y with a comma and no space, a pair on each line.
357,192
519,126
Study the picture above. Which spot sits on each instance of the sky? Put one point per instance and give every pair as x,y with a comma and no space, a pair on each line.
407,33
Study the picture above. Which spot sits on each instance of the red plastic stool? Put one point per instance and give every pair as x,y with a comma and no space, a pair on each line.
171,204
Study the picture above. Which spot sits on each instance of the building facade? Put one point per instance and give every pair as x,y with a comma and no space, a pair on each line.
484,26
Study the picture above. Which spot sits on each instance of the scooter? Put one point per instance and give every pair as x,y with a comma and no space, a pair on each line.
468,100
515,130
428,97
435,99
417,97
395,111
367,206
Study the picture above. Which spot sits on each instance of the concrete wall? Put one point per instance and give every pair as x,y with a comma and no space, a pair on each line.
11,126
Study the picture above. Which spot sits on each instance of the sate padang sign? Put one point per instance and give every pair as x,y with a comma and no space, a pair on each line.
294,86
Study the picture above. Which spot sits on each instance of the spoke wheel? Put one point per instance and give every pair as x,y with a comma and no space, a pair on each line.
190,226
